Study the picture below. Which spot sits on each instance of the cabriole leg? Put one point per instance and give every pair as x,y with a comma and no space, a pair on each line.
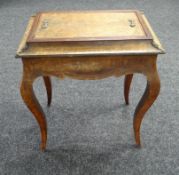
148,98
127,83
32,103
48,86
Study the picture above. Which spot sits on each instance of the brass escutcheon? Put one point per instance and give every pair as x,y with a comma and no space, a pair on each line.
131,23
44,24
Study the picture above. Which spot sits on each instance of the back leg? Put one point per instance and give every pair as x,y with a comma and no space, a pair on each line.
48,86
127,83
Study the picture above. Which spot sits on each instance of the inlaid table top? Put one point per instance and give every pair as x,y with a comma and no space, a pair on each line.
89,45
88,33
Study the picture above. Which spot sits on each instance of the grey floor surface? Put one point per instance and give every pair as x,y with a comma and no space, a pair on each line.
89,127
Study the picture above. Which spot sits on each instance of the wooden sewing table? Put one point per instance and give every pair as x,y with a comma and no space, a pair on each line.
89,45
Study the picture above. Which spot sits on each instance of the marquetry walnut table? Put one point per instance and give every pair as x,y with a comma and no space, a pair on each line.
89,45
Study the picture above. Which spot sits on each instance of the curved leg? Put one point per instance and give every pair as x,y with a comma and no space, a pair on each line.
32,103
150,95
127,83
48,86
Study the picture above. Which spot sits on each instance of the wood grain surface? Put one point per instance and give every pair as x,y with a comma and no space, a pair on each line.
99,25
113,45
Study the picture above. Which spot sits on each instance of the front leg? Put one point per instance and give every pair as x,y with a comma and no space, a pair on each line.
32,103
150,95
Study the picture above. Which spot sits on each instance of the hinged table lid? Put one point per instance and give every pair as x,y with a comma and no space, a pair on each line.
102,32
88,26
